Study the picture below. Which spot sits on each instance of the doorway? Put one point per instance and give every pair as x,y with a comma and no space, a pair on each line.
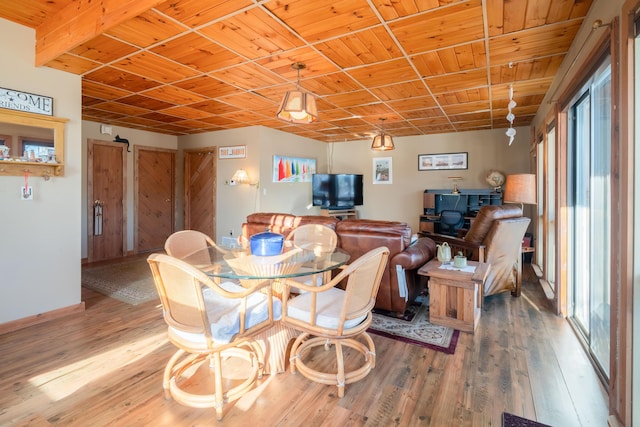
155,172
200,191
106,192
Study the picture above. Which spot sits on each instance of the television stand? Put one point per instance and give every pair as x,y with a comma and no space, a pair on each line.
340,213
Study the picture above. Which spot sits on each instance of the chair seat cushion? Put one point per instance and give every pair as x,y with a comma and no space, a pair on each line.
328,306
223,314
308,280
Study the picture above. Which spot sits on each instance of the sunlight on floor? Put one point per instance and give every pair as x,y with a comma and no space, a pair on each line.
530,302
248,400
64,381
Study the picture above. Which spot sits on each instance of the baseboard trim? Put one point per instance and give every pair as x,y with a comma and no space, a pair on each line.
25,322
85,261
537,270
546,287
614,421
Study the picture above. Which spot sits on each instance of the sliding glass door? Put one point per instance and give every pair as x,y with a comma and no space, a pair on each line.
590,199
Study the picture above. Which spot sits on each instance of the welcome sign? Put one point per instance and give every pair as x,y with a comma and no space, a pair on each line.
24,101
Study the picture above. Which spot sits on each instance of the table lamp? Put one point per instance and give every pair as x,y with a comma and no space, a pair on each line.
520,188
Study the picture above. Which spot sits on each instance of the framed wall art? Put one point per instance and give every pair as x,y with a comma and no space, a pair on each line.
442,161
25,101
293,169
382,170
233,152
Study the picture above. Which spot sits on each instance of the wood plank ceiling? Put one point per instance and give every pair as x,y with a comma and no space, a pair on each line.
189,66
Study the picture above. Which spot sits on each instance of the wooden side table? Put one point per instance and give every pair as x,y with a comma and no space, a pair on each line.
340,213
455,297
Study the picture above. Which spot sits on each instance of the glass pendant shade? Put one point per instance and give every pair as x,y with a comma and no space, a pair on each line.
382,142
298,107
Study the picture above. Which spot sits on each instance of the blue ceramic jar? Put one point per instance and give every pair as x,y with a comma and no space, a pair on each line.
266,244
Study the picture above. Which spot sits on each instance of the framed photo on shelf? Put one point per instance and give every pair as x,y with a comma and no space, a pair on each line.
443,161
382,170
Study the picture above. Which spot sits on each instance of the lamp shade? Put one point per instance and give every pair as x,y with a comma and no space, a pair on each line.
298,107
239,177
520,188
382,142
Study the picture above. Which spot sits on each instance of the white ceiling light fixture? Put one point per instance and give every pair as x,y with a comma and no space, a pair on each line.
511,132
298,106
382,141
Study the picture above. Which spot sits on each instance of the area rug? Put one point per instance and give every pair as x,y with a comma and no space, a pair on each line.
129,280
510,420
416,329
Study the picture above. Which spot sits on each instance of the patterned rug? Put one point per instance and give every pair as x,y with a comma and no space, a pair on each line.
129,280
416,329
510,420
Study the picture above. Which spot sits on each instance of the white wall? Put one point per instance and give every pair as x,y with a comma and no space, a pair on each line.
40,243
91,130
234,203
402,199
399,201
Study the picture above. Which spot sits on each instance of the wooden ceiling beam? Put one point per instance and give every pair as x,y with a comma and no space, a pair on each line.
81,21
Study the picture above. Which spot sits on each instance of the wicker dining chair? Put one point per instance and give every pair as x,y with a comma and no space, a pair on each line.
328,315
314,237
184,243
210,322
320,239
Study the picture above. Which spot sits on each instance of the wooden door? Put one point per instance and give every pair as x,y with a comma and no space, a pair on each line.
154,197
106,192
200,191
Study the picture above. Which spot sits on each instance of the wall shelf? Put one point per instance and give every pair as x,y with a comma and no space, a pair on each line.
13,120
15,168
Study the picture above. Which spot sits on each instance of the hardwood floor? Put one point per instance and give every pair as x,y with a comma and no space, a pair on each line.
104,367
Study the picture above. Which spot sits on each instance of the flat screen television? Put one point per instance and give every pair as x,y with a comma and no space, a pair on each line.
336,191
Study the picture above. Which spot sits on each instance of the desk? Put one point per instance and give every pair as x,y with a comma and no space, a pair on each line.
455,297
430,224
239,264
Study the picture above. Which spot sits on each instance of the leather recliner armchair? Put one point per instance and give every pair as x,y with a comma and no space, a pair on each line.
495,237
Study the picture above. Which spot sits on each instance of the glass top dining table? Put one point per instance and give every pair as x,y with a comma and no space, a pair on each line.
239,263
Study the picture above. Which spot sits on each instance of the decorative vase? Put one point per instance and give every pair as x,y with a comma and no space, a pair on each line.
266,244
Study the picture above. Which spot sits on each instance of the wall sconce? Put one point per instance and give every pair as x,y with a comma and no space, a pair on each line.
298,106
240,176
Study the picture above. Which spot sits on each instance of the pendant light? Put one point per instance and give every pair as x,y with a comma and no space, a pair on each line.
382,141
298,106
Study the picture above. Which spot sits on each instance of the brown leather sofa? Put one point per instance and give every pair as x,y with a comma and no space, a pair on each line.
495,236
358,236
